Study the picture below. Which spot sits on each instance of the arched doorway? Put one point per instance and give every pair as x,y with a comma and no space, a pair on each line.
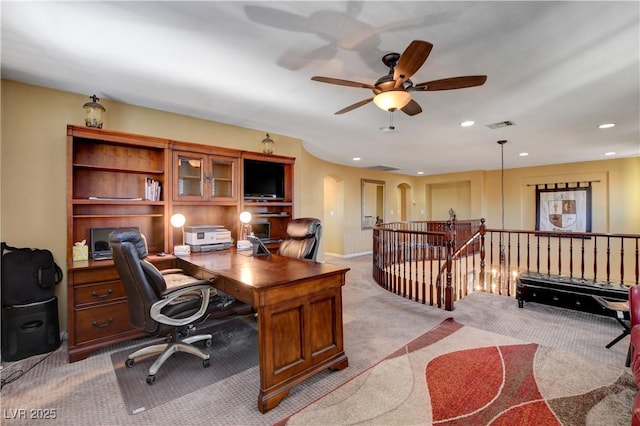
405,202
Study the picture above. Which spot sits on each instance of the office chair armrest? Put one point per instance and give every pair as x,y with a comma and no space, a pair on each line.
172,271
170,296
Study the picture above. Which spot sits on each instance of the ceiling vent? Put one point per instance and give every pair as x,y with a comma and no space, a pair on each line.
501,124
383,168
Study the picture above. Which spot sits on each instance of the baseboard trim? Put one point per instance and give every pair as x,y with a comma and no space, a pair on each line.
351,255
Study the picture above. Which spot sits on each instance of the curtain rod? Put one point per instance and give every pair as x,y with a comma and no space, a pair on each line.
565,183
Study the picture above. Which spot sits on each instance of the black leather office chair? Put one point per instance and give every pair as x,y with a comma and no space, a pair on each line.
166,303
303,239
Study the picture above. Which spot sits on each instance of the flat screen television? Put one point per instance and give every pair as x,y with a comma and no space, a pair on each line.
263,180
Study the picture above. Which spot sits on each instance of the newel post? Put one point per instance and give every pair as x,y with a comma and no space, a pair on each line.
448,289
482,230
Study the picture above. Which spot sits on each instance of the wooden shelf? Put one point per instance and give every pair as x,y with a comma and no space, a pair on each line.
80,201
117,169
267,203
88,216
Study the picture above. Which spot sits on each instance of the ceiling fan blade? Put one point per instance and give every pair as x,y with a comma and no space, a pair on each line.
452,83
412,108
411,60
340,82
354,106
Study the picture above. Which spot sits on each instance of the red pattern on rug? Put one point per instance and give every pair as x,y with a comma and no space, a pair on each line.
481,385
487,384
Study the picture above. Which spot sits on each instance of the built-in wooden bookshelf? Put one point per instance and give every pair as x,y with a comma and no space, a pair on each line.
108,179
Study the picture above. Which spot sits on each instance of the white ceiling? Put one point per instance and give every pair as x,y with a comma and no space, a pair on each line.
555,69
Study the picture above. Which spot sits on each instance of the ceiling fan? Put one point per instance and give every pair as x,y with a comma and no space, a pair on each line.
393,91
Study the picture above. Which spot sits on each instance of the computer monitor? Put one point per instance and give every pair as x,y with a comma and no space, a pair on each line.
100,247
262,230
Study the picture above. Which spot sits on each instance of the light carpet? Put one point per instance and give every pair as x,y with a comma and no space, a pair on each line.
459,375
377,323
234,349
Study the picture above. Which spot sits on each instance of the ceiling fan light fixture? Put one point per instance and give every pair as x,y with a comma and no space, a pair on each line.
392,100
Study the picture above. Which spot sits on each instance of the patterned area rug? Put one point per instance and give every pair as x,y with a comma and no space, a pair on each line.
234,349
459,375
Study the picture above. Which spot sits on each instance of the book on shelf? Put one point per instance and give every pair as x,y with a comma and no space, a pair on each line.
152,189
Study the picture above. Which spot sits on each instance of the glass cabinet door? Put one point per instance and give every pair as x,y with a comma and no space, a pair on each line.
202,177
221,171
190,175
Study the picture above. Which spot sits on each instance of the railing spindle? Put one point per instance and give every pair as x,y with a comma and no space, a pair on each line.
559,256
622,261
595,259
571,258
548,255
608,268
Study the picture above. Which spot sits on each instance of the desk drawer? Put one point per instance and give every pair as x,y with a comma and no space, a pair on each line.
96,275
240,292
101,321
98,293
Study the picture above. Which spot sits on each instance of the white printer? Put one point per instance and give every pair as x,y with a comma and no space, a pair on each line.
207,237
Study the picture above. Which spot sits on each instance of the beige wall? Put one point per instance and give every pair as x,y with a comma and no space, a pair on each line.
33,177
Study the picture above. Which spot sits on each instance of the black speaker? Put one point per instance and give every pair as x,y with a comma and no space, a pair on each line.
30,329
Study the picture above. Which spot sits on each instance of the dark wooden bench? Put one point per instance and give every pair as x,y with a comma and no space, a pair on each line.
566,292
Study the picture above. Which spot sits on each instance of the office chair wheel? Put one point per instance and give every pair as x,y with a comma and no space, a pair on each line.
208,342
151,379
205,363
130,362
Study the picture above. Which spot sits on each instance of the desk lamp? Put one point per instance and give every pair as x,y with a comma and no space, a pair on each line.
244,244
178,220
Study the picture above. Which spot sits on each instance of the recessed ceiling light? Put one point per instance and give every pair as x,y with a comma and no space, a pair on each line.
420,173
468,123
523,154
609,153
356,158
606,125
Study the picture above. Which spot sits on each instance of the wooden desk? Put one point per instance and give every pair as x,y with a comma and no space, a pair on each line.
299,307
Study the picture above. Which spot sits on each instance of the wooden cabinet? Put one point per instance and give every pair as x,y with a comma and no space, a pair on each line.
97,306
202,177
108,176
277,211
109,180
206,186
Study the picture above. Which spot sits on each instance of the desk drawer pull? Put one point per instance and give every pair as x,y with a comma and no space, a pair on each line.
104,324
102,296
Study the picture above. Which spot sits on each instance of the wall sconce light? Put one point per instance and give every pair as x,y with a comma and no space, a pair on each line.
94,112
267,145
392,100
178,220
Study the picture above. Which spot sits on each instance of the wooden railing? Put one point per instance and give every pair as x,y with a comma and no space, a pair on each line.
440,262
